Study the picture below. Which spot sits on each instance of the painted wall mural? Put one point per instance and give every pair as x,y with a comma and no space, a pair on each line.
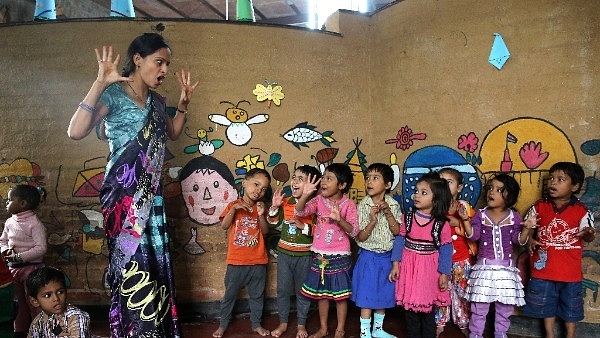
303,133
238,123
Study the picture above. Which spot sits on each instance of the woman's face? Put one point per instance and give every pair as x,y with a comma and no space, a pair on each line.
154,67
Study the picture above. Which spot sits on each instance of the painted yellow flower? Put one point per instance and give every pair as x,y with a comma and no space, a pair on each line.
272,92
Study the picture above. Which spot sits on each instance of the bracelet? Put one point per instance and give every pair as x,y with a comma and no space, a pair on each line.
181,111
87,107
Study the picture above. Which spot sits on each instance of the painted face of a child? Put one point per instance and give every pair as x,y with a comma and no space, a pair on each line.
206,195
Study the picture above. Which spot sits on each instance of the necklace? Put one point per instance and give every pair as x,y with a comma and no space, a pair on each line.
136,94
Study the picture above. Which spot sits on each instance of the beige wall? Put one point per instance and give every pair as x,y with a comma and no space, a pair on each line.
421,64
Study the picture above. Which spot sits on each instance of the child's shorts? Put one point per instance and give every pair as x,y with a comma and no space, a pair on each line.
545,299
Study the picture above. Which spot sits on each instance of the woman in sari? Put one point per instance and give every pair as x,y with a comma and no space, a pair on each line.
133,119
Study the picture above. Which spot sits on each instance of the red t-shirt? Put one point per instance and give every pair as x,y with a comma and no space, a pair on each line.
245,240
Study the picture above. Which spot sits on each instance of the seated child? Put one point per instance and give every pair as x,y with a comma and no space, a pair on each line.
47,290
7,295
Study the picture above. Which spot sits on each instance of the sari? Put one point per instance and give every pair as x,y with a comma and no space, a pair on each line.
140,273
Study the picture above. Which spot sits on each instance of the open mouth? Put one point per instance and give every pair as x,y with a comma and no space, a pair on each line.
160,79
209,211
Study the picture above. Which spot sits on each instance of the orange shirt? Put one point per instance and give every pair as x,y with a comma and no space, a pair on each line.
245,240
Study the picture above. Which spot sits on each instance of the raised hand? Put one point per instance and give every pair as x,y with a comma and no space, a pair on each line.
310,186
187,89
107,67
278,197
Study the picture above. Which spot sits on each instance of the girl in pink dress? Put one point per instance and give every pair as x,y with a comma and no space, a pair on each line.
422,257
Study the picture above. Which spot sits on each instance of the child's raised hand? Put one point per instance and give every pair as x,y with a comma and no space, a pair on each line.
588,234
278,197
311,185
531,222
107,68
334,215
443,282
462,212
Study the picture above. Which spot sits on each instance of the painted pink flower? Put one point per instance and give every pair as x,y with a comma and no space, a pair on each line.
531,154
468,142
404,138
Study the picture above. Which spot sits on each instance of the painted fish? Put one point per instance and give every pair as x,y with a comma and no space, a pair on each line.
303,133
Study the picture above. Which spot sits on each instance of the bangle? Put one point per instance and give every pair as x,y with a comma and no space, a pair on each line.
181,111
87,107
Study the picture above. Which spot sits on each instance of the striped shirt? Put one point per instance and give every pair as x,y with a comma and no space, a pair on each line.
73,323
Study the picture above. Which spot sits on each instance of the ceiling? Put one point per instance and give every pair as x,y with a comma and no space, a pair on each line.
281,12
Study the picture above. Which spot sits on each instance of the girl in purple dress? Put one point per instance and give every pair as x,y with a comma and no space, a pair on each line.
422,257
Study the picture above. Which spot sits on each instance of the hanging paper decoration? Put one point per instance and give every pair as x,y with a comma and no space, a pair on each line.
244,10
272,92
122,8
45,10
499,54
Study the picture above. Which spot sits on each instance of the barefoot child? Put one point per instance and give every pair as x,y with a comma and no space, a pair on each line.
378,213
294,256
329,275
246,224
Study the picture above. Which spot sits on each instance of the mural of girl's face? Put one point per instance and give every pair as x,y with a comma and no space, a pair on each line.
206,194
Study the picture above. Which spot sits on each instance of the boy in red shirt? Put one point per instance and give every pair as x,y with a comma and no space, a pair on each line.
563,222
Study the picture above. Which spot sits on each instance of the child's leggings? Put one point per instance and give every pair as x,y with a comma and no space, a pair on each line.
420,324
236,277
25,311
479,312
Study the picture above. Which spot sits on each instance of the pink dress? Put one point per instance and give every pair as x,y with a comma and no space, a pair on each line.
417,288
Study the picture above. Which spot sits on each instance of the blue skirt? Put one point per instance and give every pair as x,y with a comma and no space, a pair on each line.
371,288
328,278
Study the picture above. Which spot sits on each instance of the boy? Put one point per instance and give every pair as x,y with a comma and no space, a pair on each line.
378,215
47,290
294,255
562,222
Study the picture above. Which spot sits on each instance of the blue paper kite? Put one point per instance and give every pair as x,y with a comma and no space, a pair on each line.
45,10
122,8
499,54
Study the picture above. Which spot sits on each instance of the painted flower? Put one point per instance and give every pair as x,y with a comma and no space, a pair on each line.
404,138
250,162
469,143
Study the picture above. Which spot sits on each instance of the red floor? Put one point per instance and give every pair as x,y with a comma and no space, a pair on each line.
240,327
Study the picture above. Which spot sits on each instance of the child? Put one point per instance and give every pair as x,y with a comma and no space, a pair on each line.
494,278
378,213
294,256
23,245
246,224
329,275
48,291
461,257
422,256
7,296
562,222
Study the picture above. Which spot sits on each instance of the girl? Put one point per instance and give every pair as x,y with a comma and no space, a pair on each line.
132,118
329,275
23,246
461,257
246,224
422,257
377,217
494,279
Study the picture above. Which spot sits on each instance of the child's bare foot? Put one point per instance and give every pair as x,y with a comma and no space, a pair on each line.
279,330
340,334
262,331
219,332
319,334
301,333
439,330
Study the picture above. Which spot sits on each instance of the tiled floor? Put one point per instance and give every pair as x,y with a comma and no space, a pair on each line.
240,327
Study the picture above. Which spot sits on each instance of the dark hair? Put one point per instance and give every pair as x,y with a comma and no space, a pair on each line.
573,170
385,171
457,175
41,277
206,162
310,171
441,195
511,187
258,171
343,173
32,195
144,45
